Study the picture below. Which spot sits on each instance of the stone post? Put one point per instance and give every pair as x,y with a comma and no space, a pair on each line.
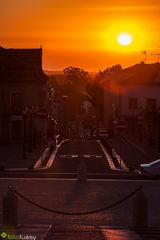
140,211
81,172
10,208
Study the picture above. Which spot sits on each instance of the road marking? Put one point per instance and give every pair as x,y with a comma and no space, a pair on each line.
41,159
68,156
74,156
79,155
120,160
62,156
97,156
117,156
16,169
109,159
51,159
86,155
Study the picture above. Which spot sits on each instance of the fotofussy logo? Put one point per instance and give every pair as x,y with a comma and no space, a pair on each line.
5,235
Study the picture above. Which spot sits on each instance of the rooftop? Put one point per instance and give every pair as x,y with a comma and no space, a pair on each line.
139,74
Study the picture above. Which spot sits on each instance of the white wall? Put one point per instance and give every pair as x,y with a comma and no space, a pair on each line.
142,93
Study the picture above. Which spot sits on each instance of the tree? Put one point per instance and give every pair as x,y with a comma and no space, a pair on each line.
74,85
114,69
76,76
96,91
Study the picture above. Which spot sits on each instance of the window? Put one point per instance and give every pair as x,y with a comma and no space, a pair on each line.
16,130
2,100
132,103
16,100
151,104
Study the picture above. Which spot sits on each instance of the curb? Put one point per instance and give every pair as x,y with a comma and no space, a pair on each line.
41,159
109,159
40,163
119,161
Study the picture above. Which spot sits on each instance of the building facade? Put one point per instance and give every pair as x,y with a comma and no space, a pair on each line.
23,90
134,95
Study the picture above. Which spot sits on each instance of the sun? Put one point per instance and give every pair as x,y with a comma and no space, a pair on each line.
124,39
124,36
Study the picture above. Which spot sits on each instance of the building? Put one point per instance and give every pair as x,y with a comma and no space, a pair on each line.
23,90
133,94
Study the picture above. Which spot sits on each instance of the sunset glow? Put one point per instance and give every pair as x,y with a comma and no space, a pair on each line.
82,33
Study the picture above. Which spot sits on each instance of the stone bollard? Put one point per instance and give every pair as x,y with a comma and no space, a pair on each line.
81,172
140,211
10,204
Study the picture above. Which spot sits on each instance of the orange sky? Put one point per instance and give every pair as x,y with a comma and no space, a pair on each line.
82,33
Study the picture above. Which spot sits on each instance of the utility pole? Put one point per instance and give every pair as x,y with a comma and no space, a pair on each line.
156,54
152,54
145,56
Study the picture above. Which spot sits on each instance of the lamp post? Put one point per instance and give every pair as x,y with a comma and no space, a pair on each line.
28,127
29,114
65,117
159,129
35,109
51,98
140,124
121,128
24,112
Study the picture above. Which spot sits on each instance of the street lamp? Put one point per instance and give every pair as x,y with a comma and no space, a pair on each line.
65,98
35,109
121,128
24,112
159,129
28,112
140,124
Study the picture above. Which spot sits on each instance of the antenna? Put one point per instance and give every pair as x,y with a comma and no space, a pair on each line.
156,54
145,56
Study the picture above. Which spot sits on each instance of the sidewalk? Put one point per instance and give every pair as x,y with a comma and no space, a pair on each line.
132,151
83,232
11,156
151,151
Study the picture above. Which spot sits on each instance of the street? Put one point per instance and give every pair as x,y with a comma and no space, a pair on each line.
98,163
95,208
73,152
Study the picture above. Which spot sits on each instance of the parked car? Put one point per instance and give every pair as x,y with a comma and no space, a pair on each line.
152,168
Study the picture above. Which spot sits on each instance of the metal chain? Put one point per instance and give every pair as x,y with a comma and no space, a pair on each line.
75,213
